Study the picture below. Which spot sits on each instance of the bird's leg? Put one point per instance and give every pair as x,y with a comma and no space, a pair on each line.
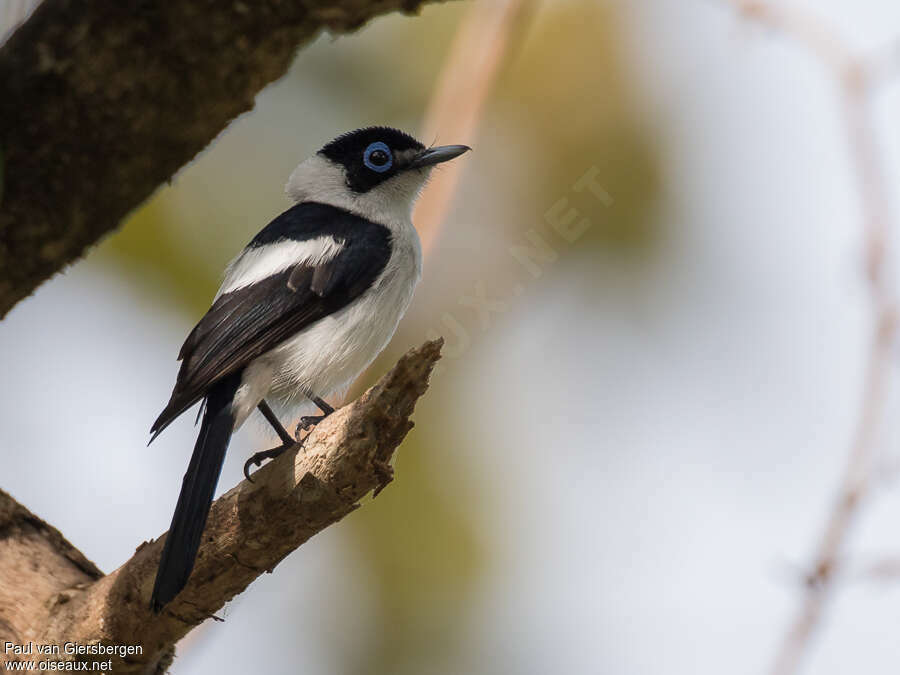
287,440
276,425
309,421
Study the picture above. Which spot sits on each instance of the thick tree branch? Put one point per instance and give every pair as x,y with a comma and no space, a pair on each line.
36,564
102,101
51,594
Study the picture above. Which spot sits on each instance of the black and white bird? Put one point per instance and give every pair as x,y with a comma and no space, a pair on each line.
304,309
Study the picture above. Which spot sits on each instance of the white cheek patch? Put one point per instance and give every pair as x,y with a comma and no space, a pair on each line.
317,180
256,264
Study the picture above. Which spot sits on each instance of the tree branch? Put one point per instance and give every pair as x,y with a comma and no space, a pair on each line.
101,102
51,594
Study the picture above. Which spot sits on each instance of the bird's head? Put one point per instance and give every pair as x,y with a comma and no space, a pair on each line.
375,171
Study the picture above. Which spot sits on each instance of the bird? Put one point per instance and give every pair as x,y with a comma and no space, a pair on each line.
304,308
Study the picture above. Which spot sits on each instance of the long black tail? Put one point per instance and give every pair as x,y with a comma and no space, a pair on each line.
196,495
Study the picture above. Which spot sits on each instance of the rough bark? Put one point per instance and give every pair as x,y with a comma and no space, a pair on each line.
51,594
102,101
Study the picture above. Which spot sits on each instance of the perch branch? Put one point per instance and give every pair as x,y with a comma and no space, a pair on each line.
101,102
51,594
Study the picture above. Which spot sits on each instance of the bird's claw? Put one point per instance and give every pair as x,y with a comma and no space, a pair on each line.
252,460
258,457
306,423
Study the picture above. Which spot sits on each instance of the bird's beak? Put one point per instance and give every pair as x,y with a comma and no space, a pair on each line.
441,153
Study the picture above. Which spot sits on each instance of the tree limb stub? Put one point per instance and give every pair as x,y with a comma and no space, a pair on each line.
101,102
51,594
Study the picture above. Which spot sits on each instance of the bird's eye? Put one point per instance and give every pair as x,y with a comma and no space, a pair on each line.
378,157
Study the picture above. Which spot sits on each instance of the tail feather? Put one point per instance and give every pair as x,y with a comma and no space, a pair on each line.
197,490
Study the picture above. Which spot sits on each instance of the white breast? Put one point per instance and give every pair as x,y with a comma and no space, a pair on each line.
328,355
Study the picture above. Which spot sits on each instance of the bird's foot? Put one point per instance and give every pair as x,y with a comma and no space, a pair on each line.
257,458
307,423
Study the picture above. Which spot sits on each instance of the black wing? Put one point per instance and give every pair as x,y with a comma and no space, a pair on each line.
243,324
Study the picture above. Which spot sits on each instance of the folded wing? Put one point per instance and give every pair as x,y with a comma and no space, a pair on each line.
255,317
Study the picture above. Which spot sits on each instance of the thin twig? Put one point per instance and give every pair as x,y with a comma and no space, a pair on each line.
885,569
805,29
858,79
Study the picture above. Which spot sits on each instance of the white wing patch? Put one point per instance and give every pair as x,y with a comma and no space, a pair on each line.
256,264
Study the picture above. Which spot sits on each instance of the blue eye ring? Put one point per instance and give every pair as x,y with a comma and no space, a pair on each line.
373,148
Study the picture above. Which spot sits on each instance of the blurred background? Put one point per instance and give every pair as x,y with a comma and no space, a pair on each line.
625,464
